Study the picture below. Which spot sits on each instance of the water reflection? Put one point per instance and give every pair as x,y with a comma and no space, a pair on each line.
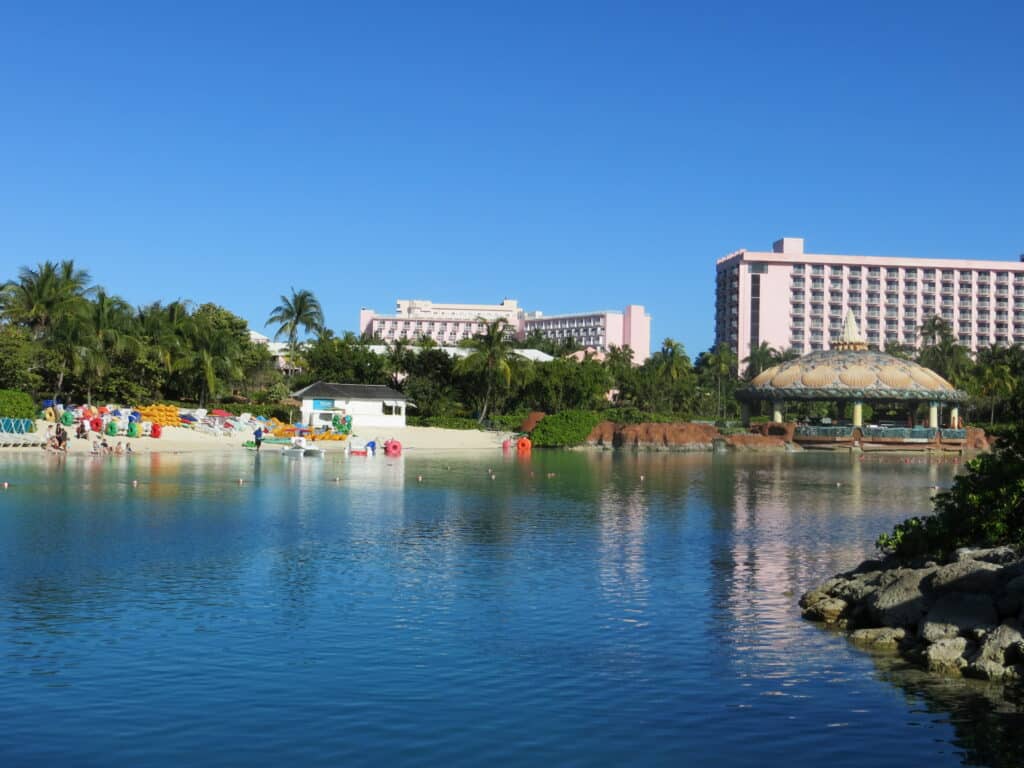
351,608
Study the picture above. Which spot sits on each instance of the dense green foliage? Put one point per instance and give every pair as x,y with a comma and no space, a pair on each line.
567,428
444,422
16,405
984,508
61,336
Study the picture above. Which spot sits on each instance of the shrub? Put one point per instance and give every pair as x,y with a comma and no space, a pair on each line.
984,508
442,422
17,405
564,429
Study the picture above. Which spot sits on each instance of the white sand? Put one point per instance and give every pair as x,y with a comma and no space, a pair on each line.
417,440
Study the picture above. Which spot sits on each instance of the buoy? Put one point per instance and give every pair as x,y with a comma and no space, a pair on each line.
337,480
240,481
419,478
641,478
493,476
6,485
135,483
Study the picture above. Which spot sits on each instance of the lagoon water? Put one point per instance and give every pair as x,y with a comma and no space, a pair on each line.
589,618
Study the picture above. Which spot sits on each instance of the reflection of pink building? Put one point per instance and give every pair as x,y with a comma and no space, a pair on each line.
789,298
600,330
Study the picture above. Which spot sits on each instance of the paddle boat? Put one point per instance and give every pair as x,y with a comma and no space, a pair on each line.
300,448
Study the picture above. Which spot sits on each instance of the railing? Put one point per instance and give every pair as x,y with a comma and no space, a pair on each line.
900,433
954,434
16,426
806,430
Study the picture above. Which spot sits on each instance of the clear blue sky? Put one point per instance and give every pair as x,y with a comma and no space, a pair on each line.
573,156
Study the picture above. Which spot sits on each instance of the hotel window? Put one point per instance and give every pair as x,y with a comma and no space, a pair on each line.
755,310
817,269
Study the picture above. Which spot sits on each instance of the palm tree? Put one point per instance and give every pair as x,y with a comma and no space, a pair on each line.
933,330
213,357
40,296
300,310
761,358
722,363
995,378
108,331
397,354
490,358
673,363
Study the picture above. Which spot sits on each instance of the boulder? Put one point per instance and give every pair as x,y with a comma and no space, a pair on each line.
1000,645
879,637
829,610
986,669
995,555
859,587
965,576
947,656
956,612
901,602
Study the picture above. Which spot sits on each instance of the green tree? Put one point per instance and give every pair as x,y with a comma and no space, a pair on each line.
19,359
300,310
489,360
761,358
721,364
109,331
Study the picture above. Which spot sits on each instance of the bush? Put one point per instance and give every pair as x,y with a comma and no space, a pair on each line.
508,422
565,429
442,422
984,508
17,405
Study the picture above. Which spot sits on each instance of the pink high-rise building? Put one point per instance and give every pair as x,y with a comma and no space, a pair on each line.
792,299
600,330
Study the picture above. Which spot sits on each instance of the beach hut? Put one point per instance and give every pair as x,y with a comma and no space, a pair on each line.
369,405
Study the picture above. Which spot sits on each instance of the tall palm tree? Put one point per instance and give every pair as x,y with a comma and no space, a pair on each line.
109,330
213,357
761,358
934,329
396,358
673,363
722,362
995,378
490,358
40,296
300,310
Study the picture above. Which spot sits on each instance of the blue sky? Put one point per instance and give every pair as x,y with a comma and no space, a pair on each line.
574,156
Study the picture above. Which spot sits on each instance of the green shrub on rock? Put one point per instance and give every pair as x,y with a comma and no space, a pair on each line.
16,405
984,508
564,429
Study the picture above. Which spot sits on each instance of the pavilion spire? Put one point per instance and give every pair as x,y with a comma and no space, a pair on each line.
852,339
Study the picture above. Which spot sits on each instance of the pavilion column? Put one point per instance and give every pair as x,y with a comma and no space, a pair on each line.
933,415
858,413
776,411
954,417
745,413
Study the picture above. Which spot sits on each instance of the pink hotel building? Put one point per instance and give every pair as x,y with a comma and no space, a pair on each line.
789,298
451,323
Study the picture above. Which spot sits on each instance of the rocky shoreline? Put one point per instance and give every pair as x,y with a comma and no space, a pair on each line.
963,617
683,437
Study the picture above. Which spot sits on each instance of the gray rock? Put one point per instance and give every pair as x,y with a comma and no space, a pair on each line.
997,555
858,588
879,637
901,602
996,647
947,656
965,576
811,597
986,669
957,612
829,610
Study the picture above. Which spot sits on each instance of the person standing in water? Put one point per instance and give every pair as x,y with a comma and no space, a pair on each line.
258,438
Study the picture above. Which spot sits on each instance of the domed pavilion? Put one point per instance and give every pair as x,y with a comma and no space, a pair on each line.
851,373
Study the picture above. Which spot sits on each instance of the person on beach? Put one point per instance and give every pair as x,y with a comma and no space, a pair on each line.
119,448
257,437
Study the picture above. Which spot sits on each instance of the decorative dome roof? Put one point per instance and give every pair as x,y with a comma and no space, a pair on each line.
850,374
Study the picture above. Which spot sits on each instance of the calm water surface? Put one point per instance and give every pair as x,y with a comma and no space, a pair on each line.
341,612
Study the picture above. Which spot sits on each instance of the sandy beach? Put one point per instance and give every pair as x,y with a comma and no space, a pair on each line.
181,440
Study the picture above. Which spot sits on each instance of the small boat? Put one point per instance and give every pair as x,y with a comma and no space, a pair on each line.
298,452
299,449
